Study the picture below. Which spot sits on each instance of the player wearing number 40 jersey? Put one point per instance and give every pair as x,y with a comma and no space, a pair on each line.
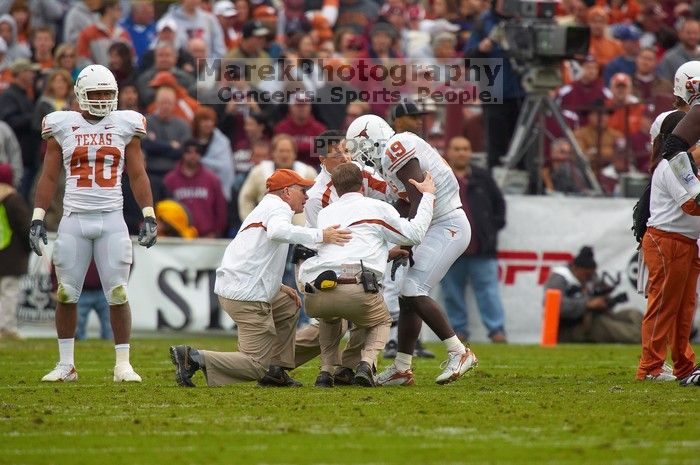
401,157
95,145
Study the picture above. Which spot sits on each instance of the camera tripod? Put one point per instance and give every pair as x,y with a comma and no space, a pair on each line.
530,130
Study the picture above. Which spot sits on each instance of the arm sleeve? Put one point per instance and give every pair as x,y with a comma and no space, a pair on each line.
136,124
376,187
281,229
674,188
409,232
50,126
399,152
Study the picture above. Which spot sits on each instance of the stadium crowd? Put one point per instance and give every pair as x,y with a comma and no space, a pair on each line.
213,159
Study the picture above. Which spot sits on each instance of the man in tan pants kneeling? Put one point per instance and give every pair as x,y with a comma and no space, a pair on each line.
250,290
343,282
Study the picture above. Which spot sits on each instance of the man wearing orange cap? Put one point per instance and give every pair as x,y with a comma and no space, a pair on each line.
250,290
185,106
628,111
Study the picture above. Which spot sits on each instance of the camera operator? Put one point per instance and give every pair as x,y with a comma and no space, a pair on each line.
586,305
499,118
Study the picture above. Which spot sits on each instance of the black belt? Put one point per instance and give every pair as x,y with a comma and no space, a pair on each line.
347,281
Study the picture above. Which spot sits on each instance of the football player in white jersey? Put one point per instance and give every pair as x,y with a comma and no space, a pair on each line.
399,158
94,145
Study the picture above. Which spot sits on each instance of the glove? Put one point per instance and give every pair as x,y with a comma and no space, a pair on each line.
37,233
300,253
148,232
401,261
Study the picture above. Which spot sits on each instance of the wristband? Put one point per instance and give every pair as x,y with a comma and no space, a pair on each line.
38,214
148,211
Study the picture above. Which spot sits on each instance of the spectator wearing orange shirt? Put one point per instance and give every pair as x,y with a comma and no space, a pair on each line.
95,40
185,106
627,110
602,47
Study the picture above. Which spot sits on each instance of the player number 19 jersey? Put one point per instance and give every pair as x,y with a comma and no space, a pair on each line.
404,146
93,156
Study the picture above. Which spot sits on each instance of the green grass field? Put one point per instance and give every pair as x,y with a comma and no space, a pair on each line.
522,405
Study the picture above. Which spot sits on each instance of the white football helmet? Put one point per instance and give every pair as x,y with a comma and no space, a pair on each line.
91,78
686,84
366,138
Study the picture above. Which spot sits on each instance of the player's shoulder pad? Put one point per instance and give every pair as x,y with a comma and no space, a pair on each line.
135,121
52,123
400,148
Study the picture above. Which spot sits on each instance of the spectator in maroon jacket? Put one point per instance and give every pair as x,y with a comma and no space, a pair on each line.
302,126
581,95
199,190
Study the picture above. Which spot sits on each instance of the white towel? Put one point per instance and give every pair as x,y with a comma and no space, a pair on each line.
642,274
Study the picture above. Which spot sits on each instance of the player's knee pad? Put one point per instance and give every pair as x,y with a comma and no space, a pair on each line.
67,293
117,295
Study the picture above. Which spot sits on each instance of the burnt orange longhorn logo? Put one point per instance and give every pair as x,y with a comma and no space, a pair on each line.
363,133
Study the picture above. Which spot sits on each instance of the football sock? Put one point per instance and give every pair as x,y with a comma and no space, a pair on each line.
403,361
122,351
66,350
394,332
453,344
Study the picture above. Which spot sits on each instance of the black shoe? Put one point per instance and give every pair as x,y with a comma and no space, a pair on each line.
692,378
324,380
422,352
185,367
277,377
363,375
344,377
390,349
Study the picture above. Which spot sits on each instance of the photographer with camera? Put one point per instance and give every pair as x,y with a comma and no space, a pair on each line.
587,302
500,119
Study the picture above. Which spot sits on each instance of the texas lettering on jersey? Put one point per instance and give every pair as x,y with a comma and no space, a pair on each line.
93,156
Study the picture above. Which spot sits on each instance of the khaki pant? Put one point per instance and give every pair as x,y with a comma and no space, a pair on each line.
265,337
349,301
672,260
307,345
622,327
9,299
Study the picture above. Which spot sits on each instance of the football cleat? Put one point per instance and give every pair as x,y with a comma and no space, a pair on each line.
61,373
125,373
663,376
363,376
692,378
456,365
393,377
185,367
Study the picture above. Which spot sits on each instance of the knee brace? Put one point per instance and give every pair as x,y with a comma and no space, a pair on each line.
67,294
411,288
117,295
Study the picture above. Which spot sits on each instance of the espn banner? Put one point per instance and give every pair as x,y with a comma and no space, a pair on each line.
171,284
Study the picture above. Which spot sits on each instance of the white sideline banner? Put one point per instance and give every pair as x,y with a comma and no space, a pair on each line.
171,284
